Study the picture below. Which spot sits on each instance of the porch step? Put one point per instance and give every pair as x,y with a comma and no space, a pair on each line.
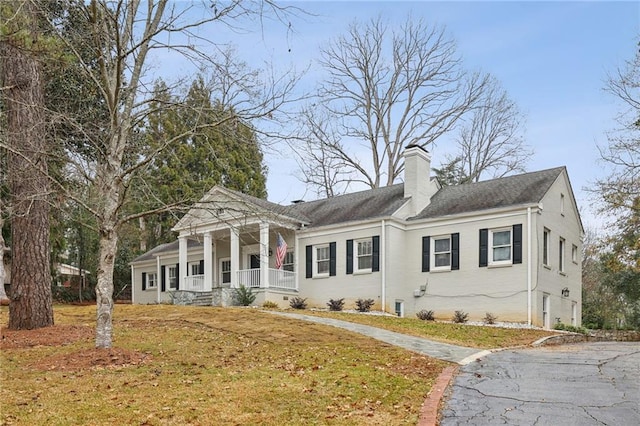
203,299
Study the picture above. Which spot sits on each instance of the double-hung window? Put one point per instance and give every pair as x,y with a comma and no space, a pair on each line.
225,271
501,246
321,260
287,263
364,255
442,252
500,243
152,280
546,240
172,277
561,255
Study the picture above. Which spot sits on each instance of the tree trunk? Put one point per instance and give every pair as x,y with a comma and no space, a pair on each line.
104,288
31,304
4,300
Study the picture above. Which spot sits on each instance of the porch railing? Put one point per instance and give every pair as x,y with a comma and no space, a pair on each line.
195,283
282,279
277,278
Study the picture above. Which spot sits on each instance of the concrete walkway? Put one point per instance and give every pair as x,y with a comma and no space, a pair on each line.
458,354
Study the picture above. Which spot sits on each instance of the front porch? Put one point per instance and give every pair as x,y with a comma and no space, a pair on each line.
277,279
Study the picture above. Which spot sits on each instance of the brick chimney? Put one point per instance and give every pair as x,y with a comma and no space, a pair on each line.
417,178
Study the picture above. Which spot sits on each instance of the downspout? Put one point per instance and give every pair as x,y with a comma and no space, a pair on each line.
133,286
383,238
529,267
296,243
158,277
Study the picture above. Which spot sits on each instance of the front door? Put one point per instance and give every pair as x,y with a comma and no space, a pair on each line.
254,264
254,261
546,318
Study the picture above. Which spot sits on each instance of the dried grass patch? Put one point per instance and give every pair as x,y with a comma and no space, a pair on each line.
175,365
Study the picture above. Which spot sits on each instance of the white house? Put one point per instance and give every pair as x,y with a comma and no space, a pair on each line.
509,246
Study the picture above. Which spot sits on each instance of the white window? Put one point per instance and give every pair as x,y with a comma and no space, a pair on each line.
194,268
500,246
546,241
225,271
399,308
172,277
321,260
152,280
287,263
562,204
574,253
561,255
441,249
363,259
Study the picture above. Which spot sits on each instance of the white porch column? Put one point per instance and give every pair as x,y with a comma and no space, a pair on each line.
264,255
182,262
208,259
235,257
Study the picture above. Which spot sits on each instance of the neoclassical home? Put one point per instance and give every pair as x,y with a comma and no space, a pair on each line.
509,246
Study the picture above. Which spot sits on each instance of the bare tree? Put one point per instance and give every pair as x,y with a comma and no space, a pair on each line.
491,141
27,162
320,157
123,34
620,190
386,89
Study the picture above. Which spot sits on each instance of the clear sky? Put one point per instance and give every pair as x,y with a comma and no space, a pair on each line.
551,57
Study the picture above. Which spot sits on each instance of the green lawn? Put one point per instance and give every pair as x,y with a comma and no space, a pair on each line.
482,337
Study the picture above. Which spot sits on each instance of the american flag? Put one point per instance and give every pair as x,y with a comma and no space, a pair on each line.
281,251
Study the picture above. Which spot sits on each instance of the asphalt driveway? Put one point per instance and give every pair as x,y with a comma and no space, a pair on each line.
578,384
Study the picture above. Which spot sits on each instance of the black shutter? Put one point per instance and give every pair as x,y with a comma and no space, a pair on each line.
426,247
163,277
484,247
332,259
349,256
517,243
201,267
178,276
455,251
144,280
309,261
375,255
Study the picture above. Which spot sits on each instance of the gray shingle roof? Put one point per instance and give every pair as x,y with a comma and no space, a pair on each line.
372,203
515,190
171,247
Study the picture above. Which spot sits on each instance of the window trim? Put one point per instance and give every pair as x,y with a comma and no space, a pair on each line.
315,261
433,240
356,256
150,281
546,247
574,253
491,247
562,243
173,268
289,260
222,260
